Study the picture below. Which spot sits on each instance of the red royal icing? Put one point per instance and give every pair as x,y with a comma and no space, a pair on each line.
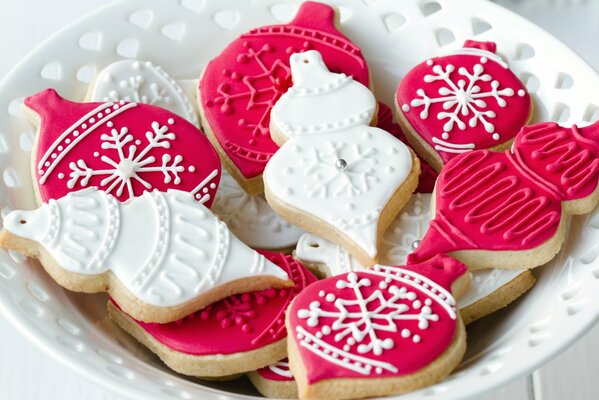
464,101
238,323
278,371
385,322
428,176
123,148
239,87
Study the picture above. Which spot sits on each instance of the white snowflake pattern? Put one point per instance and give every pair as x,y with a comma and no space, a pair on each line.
464,102
358,322
135,88
129,165
354,178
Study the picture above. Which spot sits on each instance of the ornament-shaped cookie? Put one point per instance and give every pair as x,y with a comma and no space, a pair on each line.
160,255
142,82
490,290
238,334
335,175
509,209
464,101
383,331
123,148
275,381
239,87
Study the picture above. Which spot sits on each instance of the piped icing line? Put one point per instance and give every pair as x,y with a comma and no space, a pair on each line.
353,165
481,53
123,148
164,247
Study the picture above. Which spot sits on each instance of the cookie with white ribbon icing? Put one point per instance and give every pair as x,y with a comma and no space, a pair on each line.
335,175
160,255
235,335
251,219
387,330
463,101
142,82
491,289
124,148
275,381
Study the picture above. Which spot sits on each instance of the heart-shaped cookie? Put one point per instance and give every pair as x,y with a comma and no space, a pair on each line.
239,87
460,102
378,332
238,334
336,176
508,210
123,148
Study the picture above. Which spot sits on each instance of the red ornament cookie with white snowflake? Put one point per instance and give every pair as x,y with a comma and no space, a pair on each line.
239,334
123,148
275,381
383,331
238,88
460,102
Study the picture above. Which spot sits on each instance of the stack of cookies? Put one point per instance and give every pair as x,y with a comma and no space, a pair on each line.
294,238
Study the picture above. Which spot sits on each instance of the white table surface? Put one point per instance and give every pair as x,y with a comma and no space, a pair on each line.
26,373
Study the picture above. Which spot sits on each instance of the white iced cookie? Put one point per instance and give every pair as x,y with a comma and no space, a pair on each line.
142,82
251,219
490,289
161,256
335,175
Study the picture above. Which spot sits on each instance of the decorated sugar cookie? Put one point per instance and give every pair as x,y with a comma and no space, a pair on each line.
238,88
509,209
275,381
160,255
341,179
460,102
428,176
491,289
377,332
123,148
251,219
142,82
240,333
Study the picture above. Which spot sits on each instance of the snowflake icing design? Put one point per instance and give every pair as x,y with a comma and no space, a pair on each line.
359,322
129,165
353,177
135,88
256,92
464,102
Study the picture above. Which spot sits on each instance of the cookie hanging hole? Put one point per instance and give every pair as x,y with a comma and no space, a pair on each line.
314,245
23,222
306,61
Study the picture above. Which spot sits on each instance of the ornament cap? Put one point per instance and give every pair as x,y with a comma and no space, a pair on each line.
487,46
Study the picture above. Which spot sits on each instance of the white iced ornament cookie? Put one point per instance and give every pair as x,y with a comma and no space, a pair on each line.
341,179
142,82
251,219
166,251
330,259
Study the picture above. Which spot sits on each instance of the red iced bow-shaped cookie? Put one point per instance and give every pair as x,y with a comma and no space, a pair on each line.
123,148
461,102
377,332
240,86
238,334
513,203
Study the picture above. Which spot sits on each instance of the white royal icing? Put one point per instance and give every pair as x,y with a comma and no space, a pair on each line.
250,218
398,239
165,248
342,175
142,82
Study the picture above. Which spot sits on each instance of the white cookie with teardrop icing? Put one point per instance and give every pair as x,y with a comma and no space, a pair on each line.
490,289
161,256
335,175
142,82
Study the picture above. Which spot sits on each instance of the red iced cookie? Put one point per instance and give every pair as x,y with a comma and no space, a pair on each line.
239,87
365,333
507,209
428,176
123,148
461,102
238,334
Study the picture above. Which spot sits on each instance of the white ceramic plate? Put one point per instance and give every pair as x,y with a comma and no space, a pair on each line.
395,35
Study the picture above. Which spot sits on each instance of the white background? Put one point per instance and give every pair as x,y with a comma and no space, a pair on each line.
26,373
